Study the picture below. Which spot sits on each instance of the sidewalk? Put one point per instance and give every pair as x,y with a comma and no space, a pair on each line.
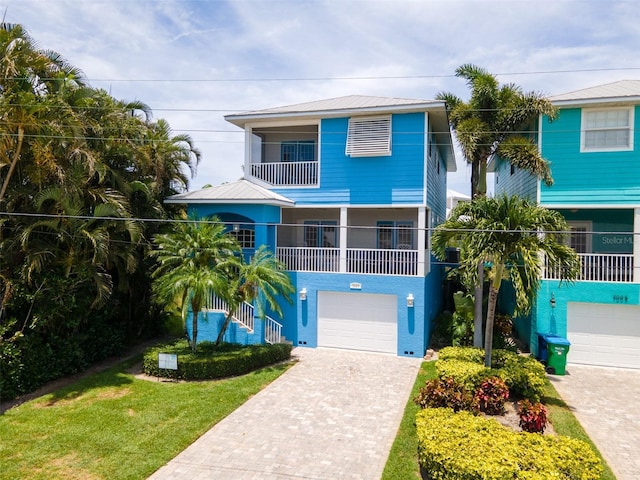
603,400
332,416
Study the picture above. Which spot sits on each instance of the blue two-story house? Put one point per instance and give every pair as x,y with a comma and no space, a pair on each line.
595,161
345,192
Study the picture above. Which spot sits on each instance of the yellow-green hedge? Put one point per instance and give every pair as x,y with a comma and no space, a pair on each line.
461,446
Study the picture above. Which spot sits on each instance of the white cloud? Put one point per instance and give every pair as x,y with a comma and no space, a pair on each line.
155,50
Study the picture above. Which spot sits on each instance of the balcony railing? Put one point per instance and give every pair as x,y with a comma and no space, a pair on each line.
598,267
310,259
286,173
358,260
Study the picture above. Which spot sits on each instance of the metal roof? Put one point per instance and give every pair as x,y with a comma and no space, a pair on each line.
620,91
242,191
342,105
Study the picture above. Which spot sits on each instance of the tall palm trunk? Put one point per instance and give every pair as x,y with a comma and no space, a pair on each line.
195,309
491,313
14,161
225,325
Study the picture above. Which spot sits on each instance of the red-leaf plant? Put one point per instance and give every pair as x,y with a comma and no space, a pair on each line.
533,416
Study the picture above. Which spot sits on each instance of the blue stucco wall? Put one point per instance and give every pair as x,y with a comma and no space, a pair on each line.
589,177
210,323
554,320
394,179
300,324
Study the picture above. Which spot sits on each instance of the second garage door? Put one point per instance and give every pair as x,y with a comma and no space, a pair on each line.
358,321
604,334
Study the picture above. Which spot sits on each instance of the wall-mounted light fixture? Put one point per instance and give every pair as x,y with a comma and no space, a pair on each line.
410,300
236,227
553,301
303,294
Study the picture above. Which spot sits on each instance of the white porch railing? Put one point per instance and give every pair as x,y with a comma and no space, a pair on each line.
286,173
598,267
272,330
243,314
359,260
310,259
382,261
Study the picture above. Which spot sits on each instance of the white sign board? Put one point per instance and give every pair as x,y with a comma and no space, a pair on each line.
168,361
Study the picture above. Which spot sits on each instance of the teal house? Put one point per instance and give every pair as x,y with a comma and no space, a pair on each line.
594,152
345,192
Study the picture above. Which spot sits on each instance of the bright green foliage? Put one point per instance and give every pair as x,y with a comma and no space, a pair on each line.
461,446
494,123
468,354
215,361
524,376
510,233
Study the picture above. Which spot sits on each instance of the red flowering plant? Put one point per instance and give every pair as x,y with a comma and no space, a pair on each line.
533,416
491,395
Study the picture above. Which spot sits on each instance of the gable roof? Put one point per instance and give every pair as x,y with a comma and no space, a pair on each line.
623,91
242,191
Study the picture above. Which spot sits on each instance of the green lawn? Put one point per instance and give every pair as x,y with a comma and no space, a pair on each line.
114,426
403,459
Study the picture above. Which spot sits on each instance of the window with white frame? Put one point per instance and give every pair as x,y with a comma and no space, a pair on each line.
246,237
369,136
297,151
607,129
580,237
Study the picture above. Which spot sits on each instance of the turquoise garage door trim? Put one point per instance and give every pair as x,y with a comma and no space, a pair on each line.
358,321
604,334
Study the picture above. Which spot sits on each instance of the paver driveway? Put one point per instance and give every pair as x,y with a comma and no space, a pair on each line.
334,415
604,400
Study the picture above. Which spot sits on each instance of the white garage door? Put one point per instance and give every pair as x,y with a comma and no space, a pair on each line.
602,334
358,321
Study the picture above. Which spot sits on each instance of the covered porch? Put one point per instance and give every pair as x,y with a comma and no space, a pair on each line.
376,241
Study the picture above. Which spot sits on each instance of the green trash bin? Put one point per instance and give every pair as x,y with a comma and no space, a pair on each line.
557,349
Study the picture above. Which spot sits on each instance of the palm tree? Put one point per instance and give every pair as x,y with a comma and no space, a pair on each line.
494,122
509,232
261,280
193,261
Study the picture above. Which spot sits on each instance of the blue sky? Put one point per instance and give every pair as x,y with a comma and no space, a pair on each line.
195,61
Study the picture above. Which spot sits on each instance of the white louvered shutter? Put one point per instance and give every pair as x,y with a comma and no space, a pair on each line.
369,136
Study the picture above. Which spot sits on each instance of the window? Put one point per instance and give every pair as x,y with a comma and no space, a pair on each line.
395,235
246,237
321,233
607,129
580,238
369,136
298,151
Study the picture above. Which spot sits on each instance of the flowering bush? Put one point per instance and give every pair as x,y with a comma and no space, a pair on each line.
533,416
491,395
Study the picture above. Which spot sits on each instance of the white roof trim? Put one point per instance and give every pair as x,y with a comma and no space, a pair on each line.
240,192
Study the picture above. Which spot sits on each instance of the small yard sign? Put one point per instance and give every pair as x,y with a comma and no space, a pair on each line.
168,361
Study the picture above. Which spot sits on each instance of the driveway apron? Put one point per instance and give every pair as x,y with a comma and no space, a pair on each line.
604,400
334,415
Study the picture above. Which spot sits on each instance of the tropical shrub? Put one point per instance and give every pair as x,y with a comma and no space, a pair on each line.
446,393
533,416
454,446
524,376
491,395
214,361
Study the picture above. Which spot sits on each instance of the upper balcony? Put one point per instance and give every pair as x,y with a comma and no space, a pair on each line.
598,267
284,156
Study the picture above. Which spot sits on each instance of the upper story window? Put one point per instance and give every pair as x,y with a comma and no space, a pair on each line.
580,237
320,233
607,129
298,151
369,136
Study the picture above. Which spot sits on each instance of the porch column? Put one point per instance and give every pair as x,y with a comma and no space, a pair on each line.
344,219
636,245
422,237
